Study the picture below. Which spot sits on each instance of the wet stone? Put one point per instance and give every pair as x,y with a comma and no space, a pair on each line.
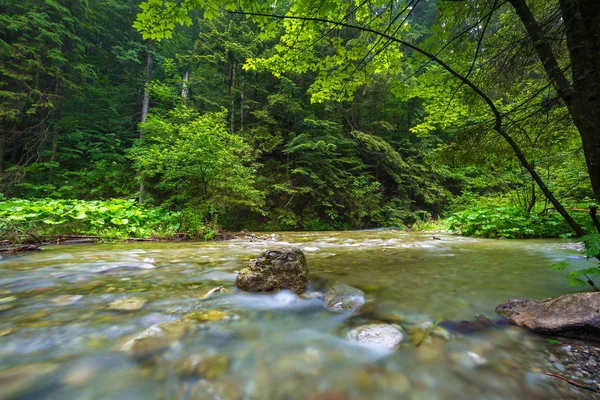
377,335
15,380
215,291
157,338
206,366
274,269
342,297
128,304
207,316
65,299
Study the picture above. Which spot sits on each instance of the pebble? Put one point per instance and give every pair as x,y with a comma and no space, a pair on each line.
128,304
377,335
205,316
559,366
215,291
65,299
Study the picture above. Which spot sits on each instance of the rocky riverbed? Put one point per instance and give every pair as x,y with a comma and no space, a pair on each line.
165,320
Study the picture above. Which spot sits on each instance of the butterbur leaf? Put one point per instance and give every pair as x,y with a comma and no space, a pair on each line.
595,271
575,281
559,266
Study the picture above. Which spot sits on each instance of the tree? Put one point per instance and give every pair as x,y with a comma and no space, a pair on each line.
376,48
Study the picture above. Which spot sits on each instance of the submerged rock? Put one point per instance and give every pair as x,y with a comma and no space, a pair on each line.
283,268
379,335
215,291
128,304
574,315
206,366
207,316
427,332
157,338
19,379
342,297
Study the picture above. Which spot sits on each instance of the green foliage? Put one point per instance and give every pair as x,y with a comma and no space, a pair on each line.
582,277
45,219
193,161
430,225
508,222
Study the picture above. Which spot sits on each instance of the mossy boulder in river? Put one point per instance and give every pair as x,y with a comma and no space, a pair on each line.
574,315
283,268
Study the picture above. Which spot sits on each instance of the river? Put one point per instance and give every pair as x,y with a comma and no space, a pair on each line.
60,339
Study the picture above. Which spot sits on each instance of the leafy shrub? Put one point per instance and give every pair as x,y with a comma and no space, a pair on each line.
510,222
110,219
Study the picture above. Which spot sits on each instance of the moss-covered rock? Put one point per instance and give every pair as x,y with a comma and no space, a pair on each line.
273,269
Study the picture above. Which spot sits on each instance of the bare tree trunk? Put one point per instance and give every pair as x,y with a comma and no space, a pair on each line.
242,93
145,108
55,129
232,94
2,150
184,88
146,99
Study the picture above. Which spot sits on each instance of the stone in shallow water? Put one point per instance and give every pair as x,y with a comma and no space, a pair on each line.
207,366
128,304
19,379
205,316
377,335
222,390
65,299
157,338
574,315
342,297
273,269
468,360
215,291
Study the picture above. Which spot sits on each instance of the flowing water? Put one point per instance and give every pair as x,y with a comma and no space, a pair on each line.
59,339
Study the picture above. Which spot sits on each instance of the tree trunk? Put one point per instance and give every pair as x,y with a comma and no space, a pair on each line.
242,92
2,150
230,92
184,88
582,97
582,22
55,129
146,99
145,108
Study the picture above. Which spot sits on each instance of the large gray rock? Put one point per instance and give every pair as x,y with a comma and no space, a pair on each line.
283,268
574,315
342,297
377,335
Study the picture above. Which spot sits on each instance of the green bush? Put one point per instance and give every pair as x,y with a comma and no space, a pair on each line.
511,222
110,220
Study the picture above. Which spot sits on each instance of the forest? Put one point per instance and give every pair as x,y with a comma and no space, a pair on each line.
159,118
299,199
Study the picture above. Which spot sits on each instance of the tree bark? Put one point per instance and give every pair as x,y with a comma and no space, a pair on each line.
145,108
242,93
184,87
231,93
146,99
55,129
582,97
